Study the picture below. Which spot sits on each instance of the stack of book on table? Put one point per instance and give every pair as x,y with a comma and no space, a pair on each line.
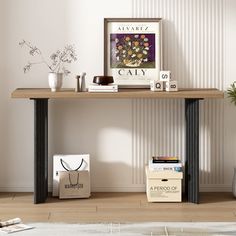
110,88
160,163
164,179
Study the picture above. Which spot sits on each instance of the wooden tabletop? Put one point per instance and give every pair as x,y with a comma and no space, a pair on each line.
35,93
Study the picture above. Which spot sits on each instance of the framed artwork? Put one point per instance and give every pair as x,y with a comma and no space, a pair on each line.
132,50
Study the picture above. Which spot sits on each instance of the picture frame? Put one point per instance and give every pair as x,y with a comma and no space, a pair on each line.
133,50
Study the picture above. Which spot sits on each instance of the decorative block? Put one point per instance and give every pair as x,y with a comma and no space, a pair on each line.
165,75
156,85
172,86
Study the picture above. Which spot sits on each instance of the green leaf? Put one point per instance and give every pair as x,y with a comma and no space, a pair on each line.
231,92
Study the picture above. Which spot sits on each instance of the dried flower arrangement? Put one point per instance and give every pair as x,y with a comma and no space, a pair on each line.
132,49
58,59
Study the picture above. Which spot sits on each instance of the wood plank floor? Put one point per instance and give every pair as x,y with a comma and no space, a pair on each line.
117,207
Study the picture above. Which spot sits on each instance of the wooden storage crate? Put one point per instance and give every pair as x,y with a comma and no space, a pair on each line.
163,186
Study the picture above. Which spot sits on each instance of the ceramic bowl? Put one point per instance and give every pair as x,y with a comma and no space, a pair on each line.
103,80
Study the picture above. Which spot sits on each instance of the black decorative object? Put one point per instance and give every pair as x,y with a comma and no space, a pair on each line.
103,80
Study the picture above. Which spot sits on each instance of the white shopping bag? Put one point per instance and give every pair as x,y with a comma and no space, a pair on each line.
68,163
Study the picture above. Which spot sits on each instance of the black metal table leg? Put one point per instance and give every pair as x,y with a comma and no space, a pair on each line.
40,150
192,150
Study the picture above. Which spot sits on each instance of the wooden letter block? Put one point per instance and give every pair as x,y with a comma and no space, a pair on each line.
172,86
165,75
156,85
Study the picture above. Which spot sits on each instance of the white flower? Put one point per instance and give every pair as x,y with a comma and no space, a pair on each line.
145,60
117,58
117,40
136,36
147,48
134,55
145,39
144,52
137,50
129,43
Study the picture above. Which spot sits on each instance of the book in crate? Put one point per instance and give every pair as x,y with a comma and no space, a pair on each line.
159,163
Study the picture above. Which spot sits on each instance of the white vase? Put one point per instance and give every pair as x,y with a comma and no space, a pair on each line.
55,81
234,183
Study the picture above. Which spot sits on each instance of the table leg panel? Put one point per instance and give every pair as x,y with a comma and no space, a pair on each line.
40,150
192,150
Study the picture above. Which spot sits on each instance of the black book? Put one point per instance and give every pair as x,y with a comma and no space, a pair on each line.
165,161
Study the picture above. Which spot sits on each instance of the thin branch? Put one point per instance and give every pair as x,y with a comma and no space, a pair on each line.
58,59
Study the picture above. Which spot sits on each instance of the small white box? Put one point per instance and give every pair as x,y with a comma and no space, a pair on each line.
156,85
172,86
163,186
165,75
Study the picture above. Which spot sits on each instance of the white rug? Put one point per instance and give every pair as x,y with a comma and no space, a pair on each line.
137,229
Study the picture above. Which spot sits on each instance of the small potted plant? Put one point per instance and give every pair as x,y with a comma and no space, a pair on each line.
56,67
231,92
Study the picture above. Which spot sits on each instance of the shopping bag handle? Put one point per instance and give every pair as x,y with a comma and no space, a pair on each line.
75,169
77,183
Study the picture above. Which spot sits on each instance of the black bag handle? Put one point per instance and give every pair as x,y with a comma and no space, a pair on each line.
77,183
75,169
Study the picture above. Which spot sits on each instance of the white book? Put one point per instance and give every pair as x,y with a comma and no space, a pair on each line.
103,87
15,228
153,166
178,169
13,225
102,90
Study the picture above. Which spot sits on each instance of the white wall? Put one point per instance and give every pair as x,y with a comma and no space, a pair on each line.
100,127
50,25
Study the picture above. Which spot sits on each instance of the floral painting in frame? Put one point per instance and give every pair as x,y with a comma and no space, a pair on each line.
132,50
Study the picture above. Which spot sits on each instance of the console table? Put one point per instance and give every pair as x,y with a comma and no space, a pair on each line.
41,97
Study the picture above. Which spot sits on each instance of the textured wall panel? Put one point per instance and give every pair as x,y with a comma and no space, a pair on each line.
192,38
193,51
158,129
